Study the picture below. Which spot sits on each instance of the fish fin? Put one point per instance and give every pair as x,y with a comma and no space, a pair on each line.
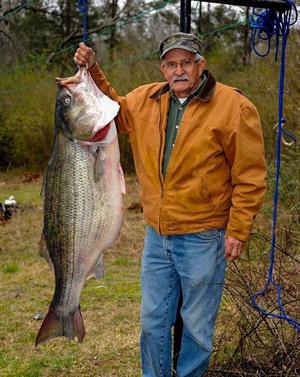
98,271
122,180
99,163
44,252
72,327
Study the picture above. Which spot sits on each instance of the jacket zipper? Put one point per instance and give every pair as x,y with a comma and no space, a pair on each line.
160,152
175,141
162,182
159,165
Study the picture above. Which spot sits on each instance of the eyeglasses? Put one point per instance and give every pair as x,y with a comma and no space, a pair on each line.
184,64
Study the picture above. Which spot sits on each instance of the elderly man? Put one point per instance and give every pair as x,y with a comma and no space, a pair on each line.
199,157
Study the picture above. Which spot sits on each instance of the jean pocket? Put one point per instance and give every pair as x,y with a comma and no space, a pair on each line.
207,234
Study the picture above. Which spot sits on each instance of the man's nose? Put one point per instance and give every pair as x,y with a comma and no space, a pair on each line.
179,70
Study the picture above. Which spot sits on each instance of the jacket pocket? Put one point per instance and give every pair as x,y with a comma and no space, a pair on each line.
205,194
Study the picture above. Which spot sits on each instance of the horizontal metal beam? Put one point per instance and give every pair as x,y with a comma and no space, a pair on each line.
274,4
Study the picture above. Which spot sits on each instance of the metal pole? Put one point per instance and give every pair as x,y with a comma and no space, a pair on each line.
185,26
183,15
188,16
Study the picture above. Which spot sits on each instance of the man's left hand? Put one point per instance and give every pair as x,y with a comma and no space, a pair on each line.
233,248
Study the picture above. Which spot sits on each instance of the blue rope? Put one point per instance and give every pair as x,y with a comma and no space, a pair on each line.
265,25
82,6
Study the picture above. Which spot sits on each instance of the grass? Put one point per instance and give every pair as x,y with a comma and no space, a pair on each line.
110,306
10,268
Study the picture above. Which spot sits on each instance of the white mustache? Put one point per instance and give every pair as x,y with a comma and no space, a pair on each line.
180,78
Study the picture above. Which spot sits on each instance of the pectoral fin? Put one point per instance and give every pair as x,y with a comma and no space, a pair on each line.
98,271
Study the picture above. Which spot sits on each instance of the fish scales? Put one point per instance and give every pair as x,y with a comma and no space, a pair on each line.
78,193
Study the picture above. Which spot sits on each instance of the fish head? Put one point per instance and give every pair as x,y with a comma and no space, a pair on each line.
78,109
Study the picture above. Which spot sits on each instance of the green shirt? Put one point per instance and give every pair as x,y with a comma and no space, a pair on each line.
176,111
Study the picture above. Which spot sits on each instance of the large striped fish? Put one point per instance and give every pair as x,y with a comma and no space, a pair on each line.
82,199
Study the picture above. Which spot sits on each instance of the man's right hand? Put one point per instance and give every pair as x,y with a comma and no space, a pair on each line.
85,56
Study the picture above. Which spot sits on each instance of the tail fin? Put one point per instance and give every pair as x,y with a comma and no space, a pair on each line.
72,327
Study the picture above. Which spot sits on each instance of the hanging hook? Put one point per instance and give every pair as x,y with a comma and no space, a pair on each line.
286,133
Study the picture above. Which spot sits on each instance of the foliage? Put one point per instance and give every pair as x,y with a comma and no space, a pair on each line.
27,126
57,23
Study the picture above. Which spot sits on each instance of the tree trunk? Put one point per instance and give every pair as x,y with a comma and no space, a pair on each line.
247,41
68,17
208,14
199,27
112,39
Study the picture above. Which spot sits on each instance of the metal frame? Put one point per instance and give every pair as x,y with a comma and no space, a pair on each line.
185,8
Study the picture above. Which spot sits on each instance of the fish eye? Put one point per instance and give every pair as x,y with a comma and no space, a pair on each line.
67,100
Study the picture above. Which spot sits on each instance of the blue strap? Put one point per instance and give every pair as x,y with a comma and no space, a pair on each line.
265,25
82,6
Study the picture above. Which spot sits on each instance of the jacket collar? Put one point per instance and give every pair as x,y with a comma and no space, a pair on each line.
205,95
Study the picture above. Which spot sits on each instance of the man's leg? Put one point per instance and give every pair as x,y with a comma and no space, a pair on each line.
200,262
160,290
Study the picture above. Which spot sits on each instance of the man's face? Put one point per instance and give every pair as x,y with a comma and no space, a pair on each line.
182,74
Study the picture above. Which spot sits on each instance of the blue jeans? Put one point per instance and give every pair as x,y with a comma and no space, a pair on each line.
196,264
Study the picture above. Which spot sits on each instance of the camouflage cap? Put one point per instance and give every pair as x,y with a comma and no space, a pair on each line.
183,41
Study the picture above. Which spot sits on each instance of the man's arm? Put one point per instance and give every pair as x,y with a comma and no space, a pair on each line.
244,150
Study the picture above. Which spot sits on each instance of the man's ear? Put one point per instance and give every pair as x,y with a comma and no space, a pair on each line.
203,63
162,69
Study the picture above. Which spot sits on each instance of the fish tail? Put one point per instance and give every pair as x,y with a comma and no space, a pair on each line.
72,327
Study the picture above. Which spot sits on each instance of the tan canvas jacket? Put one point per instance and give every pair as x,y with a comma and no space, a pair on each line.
216,172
